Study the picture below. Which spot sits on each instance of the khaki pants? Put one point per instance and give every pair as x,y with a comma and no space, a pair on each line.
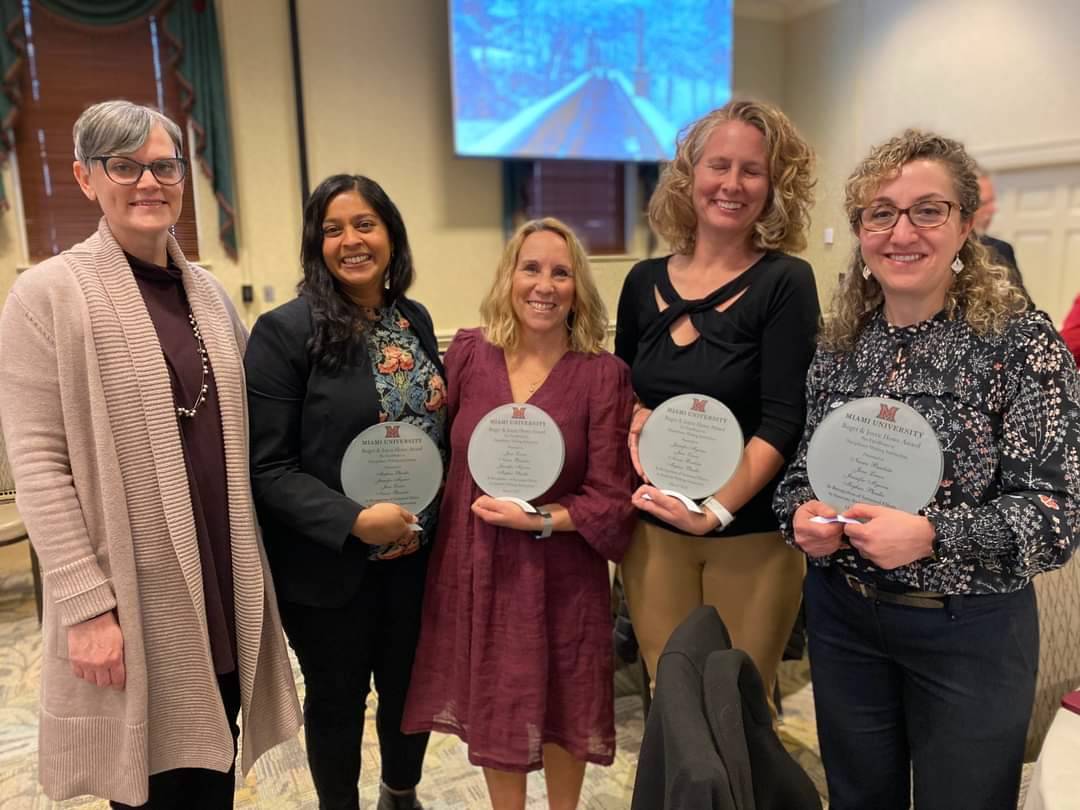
753,580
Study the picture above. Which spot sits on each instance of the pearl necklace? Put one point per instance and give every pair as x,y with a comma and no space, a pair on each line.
189,413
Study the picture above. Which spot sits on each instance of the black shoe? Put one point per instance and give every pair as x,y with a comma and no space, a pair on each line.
393,801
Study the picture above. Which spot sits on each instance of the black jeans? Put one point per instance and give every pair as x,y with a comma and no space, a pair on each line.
945,694
339,650
184,788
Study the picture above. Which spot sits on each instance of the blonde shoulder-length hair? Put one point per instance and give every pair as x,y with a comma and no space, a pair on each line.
981,292
784,222
588,321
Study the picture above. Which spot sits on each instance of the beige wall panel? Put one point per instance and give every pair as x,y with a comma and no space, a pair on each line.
258,74
759,59
377,93
821,96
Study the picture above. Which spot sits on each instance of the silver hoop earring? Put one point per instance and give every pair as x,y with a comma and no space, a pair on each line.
957,265
866,271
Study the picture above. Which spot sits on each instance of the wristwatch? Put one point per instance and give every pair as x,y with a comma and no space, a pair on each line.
722,514
547,526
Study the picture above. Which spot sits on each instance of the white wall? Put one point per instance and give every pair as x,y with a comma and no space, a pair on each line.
997,74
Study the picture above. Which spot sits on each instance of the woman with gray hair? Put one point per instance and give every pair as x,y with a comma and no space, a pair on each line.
123,406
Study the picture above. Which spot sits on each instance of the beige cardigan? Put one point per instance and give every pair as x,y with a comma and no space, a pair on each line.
91,432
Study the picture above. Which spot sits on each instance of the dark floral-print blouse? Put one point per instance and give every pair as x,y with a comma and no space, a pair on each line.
1006,409
410,389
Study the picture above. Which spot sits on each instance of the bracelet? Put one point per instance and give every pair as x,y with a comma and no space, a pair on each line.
546,527
722,514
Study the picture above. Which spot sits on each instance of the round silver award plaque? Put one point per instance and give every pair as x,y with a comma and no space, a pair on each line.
875,450
392,462
516,453
690,446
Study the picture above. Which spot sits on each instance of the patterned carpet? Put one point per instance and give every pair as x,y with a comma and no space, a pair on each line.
280,781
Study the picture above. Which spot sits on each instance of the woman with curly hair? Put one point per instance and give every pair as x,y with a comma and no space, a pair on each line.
924,637
515,653
729,314
351,351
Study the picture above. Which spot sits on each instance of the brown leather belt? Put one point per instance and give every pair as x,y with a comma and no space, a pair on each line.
916,599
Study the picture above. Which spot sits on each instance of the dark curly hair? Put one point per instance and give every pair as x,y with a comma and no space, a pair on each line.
338,322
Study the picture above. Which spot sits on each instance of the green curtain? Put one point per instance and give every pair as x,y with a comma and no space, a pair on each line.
11,37
100,12
192,25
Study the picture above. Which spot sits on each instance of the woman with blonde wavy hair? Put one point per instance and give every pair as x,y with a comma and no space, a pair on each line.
924,636
729,314
515,648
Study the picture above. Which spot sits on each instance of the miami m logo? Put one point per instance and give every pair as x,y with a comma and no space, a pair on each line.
519,413
392,431
886,413
699,405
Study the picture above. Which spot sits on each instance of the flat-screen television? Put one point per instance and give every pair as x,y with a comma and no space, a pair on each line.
585,79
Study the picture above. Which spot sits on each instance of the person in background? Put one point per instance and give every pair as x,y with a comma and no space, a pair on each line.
351,351
733,315
1002,250
924,635
122,397
515,653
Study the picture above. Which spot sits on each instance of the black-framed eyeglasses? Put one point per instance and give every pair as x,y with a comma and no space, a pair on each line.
925,214
127,172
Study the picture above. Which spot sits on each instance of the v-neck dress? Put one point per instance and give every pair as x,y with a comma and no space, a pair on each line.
515,646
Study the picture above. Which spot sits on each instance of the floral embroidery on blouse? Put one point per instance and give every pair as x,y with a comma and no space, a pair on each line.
410,389
1006,410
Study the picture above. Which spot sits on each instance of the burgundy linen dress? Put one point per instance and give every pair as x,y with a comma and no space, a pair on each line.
515,646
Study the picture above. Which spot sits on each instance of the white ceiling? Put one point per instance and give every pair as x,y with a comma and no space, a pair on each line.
778,10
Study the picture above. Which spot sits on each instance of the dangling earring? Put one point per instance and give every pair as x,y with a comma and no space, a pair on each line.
570,321
957,264
866,272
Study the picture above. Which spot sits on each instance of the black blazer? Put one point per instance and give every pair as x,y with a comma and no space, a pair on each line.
302,420
709,743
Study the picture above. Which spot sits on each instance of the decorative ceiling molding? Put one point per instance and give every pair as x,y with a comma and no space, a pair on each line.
1027,156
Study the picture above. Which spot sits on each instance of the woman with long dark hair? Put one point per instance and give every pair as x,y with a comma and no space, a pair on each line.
351,351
